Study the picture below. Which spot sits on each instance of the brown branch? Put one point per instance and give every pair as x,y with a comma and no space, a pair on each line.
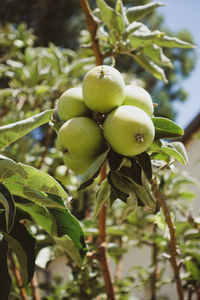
154,276
102,256
92,22
17,276
34,288
172,243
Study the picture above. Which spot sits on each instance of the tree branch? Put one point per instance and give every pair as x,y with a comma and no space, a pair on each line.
34,287
172,243
92,22
102,257
17,276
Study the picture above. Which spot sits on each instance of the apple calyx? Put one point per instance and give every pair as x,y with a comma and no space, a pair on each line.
139,138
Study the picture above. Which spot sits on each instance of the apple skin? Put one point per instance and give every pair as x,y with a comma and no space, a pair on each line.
78,165
64,175
71,105
129,130
103,89
81,137
139,97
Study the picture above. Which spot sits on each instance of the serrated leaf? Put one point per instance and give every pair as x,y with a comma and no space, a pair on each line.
155,53
165,128
29,177
5,280
119,190
69,234
150,66
7,201
93,171
137,12
23,244
110,17
10,133
176,150
172,42
102,196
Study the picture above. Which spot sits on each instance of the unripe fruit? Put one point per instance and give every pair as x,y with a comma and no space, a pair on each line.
71,105
81,137
139,97
129,130
78,165
103,89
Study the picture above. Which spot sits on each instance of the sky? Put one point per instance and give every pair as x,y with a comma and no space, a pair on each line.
184,14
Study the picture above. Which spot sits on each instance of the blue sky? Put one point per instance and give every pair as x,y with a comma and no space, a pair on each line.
184,14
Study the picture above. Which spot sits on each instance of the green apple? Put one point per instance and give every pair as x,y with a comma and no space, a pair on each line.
78,165
71,105
139,97
64,175
129,130
103,89
81,137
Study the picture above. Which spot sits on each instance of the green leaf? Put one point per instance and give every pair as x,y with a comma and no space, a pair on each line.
93,171
137,12
69,234
150,66
176,150
7,201
37,197
103,195
41,216
170,42
165,128
142,38
119,8
145,162
130,207
5,280
62,226
131,28
155,53
23,244
29,177
110,17
192,269
10,133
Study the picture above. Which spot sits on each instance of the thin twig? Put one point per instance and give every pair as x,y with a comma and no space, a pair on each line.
102,257
154,276
17,276
172,243
34,287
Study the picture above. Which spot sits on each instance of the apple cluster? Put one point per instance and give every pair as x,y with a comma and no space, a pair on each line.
125,109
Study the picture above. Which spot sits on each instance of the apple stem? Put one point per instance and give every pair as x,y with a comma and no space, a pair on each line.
139,138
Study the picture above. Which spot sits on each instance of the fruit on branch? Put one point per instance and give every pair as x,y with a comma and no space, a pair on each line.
139,97
81,137
64,175
77,165
71,105
129,130
103,89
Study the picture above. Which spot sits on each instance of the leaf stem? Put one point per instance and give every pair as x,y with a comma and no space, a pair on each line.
172,243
